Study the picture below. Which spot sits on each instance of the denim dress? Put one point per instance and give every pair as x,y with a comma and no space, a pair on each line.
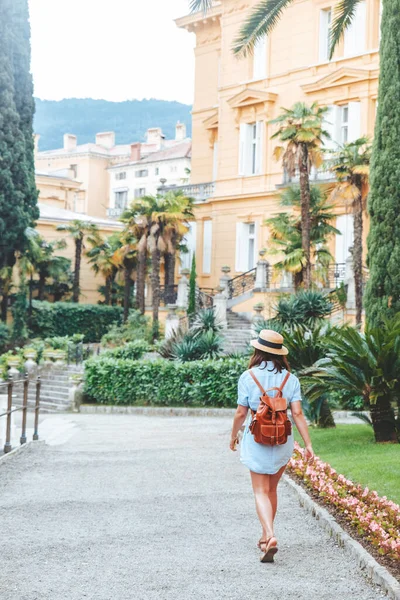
258,457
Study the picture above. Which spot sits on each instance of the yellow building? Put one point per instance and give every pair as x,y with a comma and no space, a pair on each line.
62,200
232,154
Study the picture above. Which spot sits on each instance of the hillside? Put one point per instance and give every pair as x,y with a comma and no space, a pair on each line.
86,117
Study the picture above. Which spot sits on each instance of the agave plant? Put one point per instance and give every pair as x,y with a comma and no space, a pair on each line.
205,321
363,364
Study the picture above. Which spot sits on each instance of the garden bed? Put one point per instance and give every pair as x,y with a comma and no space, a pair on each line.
372,520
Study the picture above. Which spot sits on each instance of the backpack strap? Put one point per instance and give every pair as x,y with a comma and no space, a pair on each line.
258,384
284,382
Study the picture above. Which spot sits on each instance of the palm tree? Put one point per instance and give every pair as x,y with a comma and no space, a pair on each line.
125,258
350,163
101,258
39,258
300,129
78,230
286,234
267,14
179,212
363,364
137,218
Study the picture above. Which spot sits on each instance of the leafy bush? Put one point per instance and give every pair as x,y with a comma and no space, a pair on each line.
131,350
65,319
206,320
137,327
306,309
164,383
4,336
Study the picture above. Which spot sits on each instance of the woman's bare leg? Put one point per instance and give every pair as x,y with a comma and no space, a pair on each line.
265,494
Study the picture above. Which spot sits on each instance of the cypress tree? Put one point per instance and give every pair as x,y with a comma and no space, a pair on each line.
382,298
192,288
18,195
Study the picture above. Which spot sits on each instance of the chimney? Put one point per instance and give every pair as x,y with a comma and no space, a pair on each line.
135,151
36,138
69,142
180,131
107,139
155,136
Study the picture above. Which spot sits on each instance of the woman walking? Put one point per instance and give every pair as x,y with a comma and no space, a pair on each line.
268,389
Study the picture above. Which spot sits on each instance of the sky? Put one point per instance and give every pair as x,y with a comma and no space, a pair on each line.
111,49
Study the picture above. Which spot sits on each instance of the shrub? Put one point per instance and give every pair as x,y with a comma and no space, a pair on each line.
66,319
131,351
306,309
136,327
4,336
164,383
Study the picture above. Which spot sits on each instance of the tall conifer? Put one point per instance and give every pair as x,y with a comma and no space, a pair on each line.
382,298
18,195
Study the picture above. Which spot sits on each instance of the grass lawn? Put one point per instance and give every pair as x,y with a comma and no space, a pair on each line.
351,450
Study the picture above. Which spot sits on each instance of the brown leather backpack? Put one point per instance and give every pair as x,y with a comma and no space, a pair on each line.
271,425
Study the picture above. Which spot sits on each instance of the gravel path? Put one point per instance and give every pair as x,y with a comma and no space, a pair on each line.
138,508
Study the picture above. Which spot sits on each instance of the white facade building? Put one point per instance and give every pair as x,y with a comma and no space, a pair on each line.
167,164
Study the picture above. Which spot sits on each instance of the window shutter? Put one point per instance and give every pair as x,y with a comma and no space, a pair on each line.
354,121
256,237
259,146
331,126
242,147
190,241
344,241
260,58
241,247
324,28
207,245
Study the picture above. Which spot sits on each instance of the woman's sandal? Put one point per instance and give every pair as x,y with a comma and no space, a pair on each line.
271,548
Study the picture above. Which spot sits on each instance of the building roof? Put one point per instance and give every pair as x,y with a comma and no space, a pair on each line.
53,213
178,150
97,149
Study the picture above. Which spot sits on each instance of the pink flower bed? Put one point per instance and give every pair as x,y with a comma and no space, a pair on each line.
376,519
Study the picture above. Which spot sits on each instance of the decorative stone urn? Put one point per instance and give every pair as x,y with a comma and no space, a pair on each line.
48,355
30,363
60,356
226,270
262,253
13,362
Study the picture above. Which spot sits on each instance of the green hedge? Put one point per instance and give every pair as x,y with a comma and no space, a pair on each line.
164,383
64,318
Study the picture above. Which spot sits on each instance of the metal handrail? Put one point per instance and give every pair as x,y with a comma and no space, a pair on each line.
241,283
24,408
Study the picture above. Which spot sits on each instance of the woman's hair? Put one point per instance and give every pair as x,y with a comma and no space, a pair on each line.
259,357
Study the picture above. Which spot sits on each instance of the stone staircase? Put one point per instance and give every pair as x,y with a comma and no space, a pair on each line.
54,392
238,334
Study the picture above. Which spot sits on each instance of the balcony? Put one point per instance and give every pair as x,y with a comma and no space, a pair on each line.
316,176
114,213
199,191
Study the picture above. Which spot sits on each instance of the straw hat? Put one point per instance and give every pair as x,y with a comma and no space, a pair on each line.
270,341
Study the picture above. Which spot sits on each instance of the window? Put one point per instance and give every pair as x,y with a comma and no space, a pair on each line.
120,175
246,246
120,199
142,173
173,169
250,148
74,169
207,242
156,171
355,34
343,124
325,24
140,192
260,59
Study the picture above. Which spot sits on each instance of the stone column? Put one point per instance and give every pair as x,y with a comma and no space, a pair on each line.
172,321
262,274
349,282
183,289
221,306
